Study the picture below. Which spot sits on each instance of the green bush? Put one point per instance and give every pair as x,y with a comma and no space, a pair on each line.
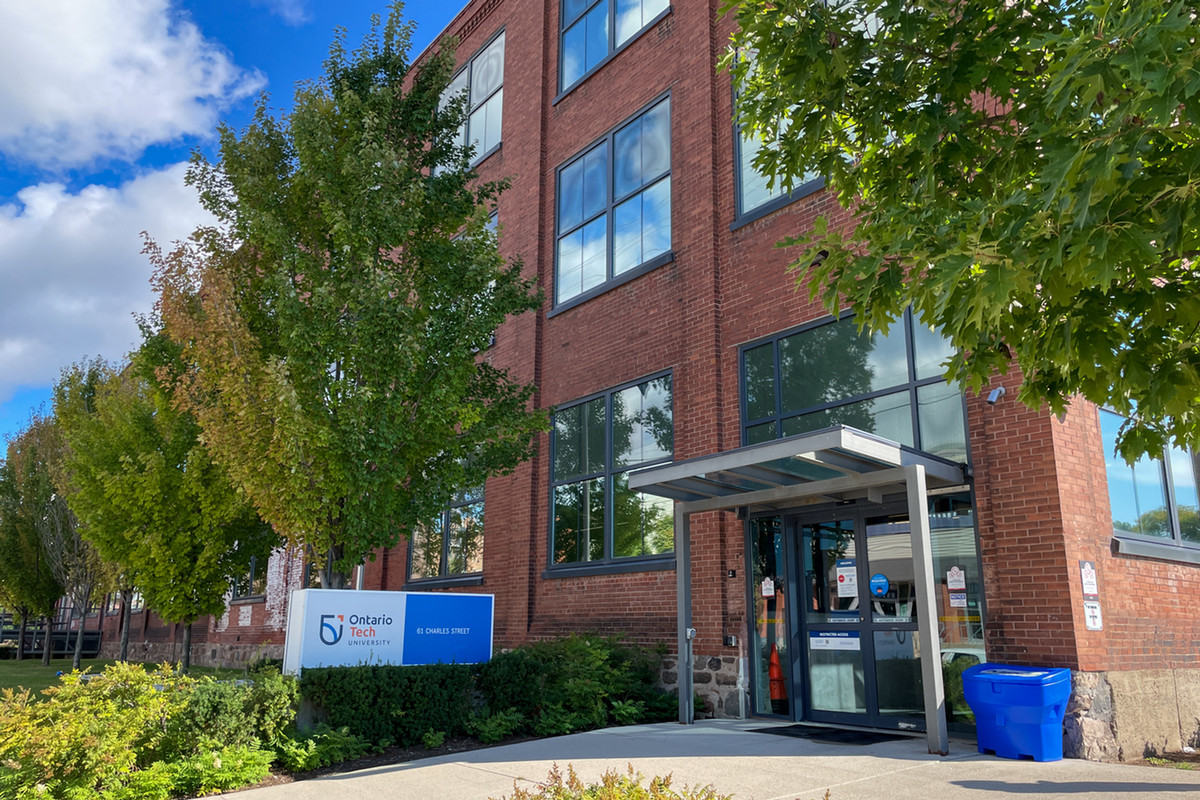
433,739
319,748
239,713
385,704
220,770
613,786
496,726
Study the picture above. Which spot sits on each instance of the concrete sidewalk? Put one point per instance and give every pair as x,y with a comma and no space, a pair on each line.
751,766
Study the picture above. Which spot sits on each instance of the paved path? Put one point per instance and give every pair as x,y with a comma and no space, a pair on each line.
751,766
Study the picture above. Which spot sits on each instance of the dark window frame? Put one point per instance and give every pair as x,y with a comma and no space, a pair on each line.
444,577
468,68
609,564
607,141
779,415
237,595
613,49
1174,548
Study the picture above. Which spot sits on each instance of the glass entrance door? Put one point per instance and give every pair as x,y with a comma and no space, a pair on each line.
859,628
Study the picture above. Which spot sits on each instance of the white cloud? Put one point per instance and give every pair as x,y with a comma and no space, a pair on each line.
293,12
90,79
72,271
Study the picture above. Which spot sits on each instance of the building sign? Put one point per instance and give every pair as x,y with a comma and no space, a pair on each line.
956,579
1087,577
340,627
834,640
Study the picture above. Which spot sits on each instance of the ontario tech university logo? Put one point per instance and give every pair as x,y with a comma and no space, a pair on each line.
330,635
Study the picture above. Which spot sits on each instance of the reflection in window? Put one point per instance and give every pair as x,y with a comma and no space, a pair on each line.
769,648
452,543
596,516
888,384
591,29
482,79
1154,497
603,230
253,582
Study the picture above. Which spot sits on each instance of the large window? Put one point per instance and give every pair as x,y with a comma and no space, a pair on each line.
596,517
452,544
614,206
483,82
592,29
829,374
253,582
1155,498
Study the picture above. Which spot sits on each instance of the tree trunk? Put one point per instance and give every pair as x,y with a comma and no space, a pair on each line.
78,656
186,662
47,641
126,617
330,577
21,632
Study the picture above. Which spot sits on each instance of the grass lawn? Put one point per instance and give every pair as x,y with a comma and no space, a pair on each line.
30,673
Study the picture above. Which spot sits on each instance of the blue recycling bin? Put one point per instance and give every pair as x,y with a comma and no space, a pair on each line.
1018,710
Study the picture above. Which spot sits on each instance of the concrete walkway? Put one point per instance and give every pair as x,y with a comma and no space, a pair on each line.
750,766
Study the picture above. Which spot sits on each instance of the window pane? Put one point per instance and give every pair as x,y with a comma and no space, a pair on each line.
940,416
642,150
466,539
633,15
643,525
258,576
769,635
485,124
597,35
833,362
889,416
457,85
426,547
487,71
579,521
754,187
1183,472
1136,494
572,9
760,382
570,196
579,440
585,44
760,433
930,349
642,227
595,181
642,428
581,260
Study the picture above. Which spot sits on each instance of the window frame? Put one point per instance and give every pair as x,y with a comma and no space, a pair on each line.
1133,543
469,69
779,416
475,494
613,49
250,596
607,141
609,564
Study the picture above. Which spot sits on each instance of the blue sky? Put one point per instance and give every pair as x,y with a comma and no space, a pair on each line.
101,103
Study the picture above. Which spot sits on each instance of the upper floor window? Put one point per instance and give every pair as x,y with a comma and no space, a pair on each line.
1155,497
596,516
592,29
253,582
614,205
830,374
482,80
451,544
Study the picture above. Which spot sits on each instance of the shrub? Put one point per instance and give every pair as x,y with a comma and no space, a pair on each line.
240,713
492,728
219,770
433,739
85,737
392,704
319,748
612,786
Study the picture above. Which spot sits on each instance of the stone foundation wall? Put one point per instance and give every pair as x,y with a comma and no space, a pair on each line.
204,654
1129,715
720,680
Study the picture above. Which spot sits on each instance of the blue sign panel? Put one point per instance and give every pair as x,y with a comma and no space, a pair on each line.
879,584
447,628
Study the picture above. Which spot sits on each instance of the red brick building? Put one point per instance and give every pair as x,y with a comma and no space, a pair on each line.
670,332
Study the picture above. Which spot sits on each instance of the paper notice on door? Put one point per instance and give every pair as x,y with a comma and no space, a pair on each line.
958,599
847,578
834,640
956,579
768,587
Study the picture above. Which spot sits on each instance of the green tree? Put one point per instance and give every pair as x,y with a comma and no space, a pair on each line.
334,324
149,496
1025,174
28,585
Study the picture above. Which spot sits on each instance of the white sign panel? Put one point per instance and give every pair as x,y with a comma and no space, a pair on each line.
768,587
1087,575
956,579
847,578
1091,615
834,640
958,599
336,627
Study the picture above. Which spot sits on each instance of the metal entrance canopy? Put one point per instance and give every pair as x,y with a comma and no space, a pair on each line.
836,464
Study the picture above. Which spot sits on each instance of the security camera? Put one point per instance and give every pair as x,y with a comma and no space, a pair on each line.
996,394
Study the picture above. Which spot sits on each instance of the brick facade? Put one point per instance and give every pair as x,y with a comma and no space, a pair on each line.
1040,490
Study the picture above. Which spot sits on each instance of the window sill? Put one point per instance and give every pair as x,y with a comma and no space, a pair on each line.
609,285
245,601
420,584
773,205
649,564
1146,548
582,79
480,159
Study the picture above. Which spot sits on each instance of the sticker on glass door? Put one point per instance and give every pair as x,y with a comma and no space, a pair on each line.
834,640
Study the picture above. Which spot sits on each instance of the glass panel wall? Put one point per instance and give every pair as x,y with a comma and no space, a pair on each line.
769,649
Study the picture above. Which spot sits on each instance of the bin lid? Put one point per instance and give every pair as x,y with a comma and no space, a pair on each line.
1003,673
